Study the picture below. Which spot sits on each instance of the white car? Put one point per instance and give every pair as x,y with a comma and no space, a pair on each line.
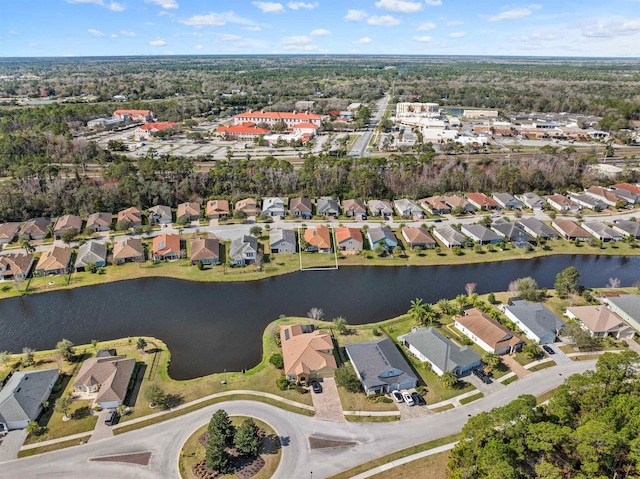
408,399
397,396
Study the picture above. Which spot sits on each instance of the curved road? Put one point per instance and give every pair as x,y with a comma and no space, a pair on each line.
372,440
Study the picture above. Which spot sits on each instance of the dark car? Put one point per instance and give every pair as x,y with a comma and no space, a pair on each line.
111,417
548,349
315,386
418,399
482,376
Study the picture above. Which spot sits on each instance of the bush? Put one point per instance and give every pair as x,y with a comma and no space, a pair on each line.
376,332
277,360
301,390
282,383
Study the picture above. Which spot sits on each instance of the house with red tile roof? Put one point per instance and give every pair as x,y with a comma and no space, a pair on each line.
349,240
146,131
166,247
307,353
482,201
133,115
132,216
318,239
244,131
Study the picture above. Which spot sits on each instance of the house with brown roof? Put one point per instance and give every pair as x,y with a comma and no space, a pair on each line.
307,353
166,247
570,230
217,209
318,239
418,237
300,207
131,216
67,223
206,250
349,240
482,201
54,262
457,201
609,197
354,208
435,205
99,222
562,203
15,266
160,214
35,229
106,379
489,334
248,206
189,211
128,250
600,322
8,231
628,187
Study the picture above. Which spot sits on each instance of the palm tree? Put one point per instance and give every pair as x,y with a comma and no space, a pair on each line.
25,243
492,360
449,379
418,310
445,306
430,314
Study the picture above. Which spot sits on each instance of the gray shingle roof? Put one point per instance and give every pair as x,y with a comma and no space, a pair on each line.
287,236
379,234
440,350
22,396
538,228
328,205
599,229
629,303
91,252
630,228
449,233
479,233
512,231
241,245
537,317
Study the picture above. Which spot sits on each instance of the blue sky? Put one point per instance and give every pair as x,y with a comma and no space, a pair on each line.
433,27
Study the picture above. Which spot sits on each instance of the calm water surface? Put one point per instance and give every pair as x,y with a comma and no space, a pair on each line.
214,326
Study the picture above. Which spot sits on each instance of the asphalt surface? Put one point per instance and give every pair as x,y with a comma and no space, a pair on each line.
164,440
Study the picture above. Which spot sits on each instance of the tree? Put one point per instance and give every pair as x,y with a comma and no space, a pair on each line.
69,235
380,249
582,340
346,378
418,310
456,250
255,231
340,324
27,357
527,288
65,348
397,250
449,379
154,394
492,360
277,360
63,405
470,288
491,298
216,457
566,281
25,244
33,428
445,306
200,265
532,350
315,314
220,427
4,357
614,283
247,438
141,343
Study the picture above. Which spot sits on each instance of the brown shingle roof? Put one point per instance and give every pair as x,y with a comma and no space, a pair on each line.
598,318
131,215
54,259
487,329
305,352
217,207
15,264
190,208
68,222
417,235
100,219
570,228
205,249
111,373
8,230
128,248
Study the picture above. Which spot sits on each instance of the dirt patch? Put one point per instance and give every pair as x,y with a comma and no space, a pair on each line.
137,458
323,443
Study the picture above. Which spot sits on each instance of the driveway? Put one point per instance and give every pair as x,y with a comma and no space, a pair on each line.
11,444
101,431
515,366
485,389
412,412
327,404
560,357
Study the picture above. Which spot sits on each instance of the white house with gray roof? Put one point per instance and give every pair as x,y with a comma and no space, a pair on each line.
22,396
532,201
273,206
513,232
480,234
406,207
587,201
535,320
449,236
243,250
601,231
380,208
627,306
327,207
282,241
431,346
160,214
508,201
537,228
380,366
628,228
91,252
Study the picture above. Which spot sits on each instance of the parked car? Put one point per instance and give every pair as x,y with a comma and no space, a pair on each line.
397,396
482,376
548,349
418,399
408,399
315,386
111,417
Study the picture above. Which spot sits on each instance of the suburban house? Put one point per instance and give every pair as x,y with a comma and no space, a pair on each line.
431,346
449,236
243,250
513,232
480,234
91,252
380,366
418,237
537,228
381,235
355,209
307,353
532,201
53,262
8,232
134,115
349,240
300,207
160,214
562,203
327,207
380,208
217,209
248,206
628,228
318,239
458,202
487,333
406,207
608,197
629,196
22,397
600,322
273,206
535,320
507,201
206,250
67,223
435,205
166,247
587,201
35,229
128,250
15,266
146,131
99,222
627,187
627,306
283,241
570,230
107,377
189,211
601,231
131,216
481,201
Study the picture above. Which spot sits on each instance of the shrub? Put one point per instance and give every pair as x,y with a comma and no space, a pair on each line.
277,360
282,383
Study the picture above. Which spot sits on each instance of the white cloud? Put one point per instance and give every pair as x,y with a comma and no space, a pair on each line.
383,21
158,42
454,23
166,4
425,38
228,37
299,5
115,7
198,47
13,32
363,41
95,32
92,2
513,14
320,32
252,29
126,33
355,15
32,44
457,34
299,40
215,20
433,3
399,6
113,35
269,7
426,26
612,28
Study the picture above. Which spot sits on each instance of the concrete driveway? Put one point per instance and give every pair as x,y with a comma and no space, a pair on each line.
101,431
560,357
11,444
485,389
327,404
412,412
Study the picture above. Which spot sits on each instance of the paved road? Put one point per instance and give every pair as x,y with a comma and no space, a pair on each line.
360,146
372,440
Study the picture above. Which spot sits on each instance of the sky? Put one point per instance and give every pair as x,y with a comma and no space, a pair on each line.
591,28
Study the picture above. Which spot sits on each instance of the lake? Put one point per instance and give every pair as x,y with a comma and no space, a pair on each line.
210,327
